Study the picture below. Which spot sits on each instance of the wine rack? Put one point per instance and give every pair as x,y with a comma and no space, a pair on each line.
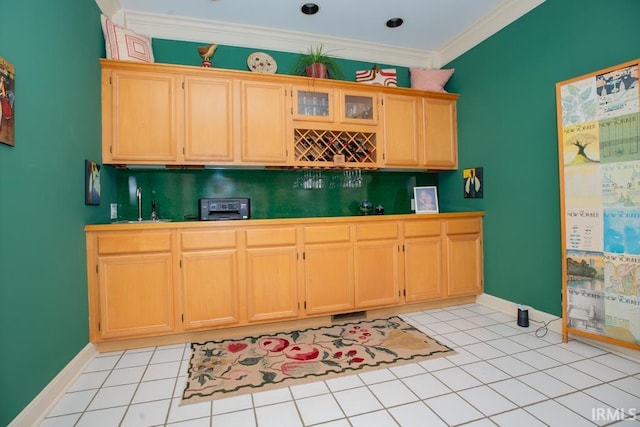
327,148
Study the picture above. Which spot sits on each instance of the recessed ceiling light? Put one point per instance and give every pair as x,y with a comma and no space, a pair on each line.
310,8
394,22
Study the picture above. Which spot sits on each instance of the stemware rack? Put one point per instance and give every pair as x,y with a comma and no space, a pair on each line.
319,148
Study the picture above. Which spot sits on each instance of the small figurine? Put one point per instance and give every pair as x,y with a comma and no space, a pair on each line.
206,52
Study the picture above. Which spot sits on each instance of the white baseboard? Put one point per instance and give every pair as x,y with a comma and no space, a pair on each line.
41,405
511,308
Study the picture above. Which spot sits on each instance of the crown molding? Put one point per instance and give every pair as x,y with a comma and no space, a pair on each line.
224,33
502,15
109,8
208,31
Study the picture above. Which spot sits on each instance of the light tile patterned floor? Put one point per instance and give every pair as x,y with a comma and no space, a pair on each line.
502,375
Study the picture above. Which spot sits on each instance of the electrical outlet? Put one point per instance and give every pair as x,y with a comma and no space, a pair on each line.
114,211
413,205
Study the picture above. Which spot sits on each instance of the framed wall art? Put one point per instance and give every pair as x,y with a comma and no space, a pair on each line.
473,185
91,183
426,199
7,102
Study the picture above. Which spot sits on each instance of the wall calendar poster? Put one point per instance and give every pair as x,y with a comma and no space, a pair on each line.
599,163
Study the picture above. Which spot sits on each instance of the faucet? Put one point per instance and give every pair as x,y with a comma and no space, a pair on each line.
139,197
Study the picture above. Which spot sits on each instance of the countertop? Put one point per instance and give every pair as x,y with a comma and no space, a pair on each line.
272,221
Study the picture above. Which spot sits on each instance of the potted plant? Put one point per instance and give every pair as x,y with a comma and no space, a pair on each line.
316,63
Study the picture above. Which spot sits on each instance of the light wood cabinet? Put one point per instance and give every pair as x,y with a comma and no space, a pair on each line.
271,273
377,280
328,269
133,292
323,102
149,280
152,117
424,277
263,123
208,120
209,270
140,116
419,132
464,265
440,133
402,130
160,114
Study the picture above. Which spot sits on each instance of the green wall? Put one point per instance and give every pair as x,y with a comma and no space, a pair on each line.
43,290
507,124
235,58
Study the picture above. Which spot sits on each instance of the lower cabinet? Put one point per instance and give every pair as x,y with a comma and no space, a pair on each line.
463,246
271,274
423,260
209,271
164,279
328,269
133,293
376,264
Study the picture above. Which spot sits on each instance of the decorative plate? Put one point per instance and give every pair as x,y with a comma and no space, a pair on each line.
260,62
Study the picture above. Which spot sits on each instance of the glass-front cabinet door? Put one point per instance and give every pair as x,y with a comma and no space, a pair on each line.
359,107
313,105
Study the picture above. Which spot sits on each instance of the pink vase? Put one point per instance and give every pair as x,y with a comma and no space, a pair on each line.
317,70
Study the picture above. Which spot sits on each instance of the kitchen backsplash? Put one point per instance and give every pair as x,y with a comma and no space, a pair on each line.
273,193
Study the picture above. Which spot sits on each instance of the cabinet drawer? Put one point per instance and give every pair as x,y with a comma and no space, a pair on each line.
385,230
464,226
209,239
123,243
277,236
327,233
422,228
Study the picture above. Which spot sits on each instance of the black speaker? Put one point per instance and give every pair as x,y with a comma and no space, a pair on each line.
523,317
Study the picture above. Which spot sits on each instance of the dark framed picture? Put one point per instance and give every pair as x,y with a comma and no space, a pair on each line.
426,199
472,180
91,183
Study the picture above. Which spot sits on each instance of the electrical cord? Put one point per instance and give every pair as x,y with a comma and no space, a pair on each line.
542,330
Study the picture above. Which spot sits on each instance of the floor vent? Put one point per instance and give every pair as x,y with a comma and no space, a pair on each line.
356,315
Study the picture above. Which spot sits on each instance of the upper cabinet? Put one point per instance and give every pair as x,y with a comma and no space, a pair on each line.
161,114
419,131
263,123
319,103
441,133
140,115
208,120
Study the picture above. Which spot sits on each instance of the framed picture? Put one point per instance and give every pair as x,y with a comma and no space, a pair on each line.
7,100
91,183
472,183
426,199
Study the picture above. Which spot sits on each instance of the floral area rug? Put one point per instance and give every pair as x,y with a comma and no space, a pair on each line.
220,369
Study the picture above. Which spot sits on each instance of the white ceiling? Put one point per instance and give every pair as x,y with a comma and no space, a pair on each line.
434,31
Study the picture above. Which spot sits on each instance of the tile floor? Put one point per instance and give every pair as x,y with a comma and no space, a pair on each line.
502,375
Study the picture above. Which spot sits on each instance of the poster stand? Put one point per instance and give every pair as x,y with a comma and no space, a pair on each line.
599,164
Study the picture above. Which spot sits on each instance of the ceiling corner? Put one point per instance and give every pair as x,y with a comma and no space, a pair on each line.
109,7
502,15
